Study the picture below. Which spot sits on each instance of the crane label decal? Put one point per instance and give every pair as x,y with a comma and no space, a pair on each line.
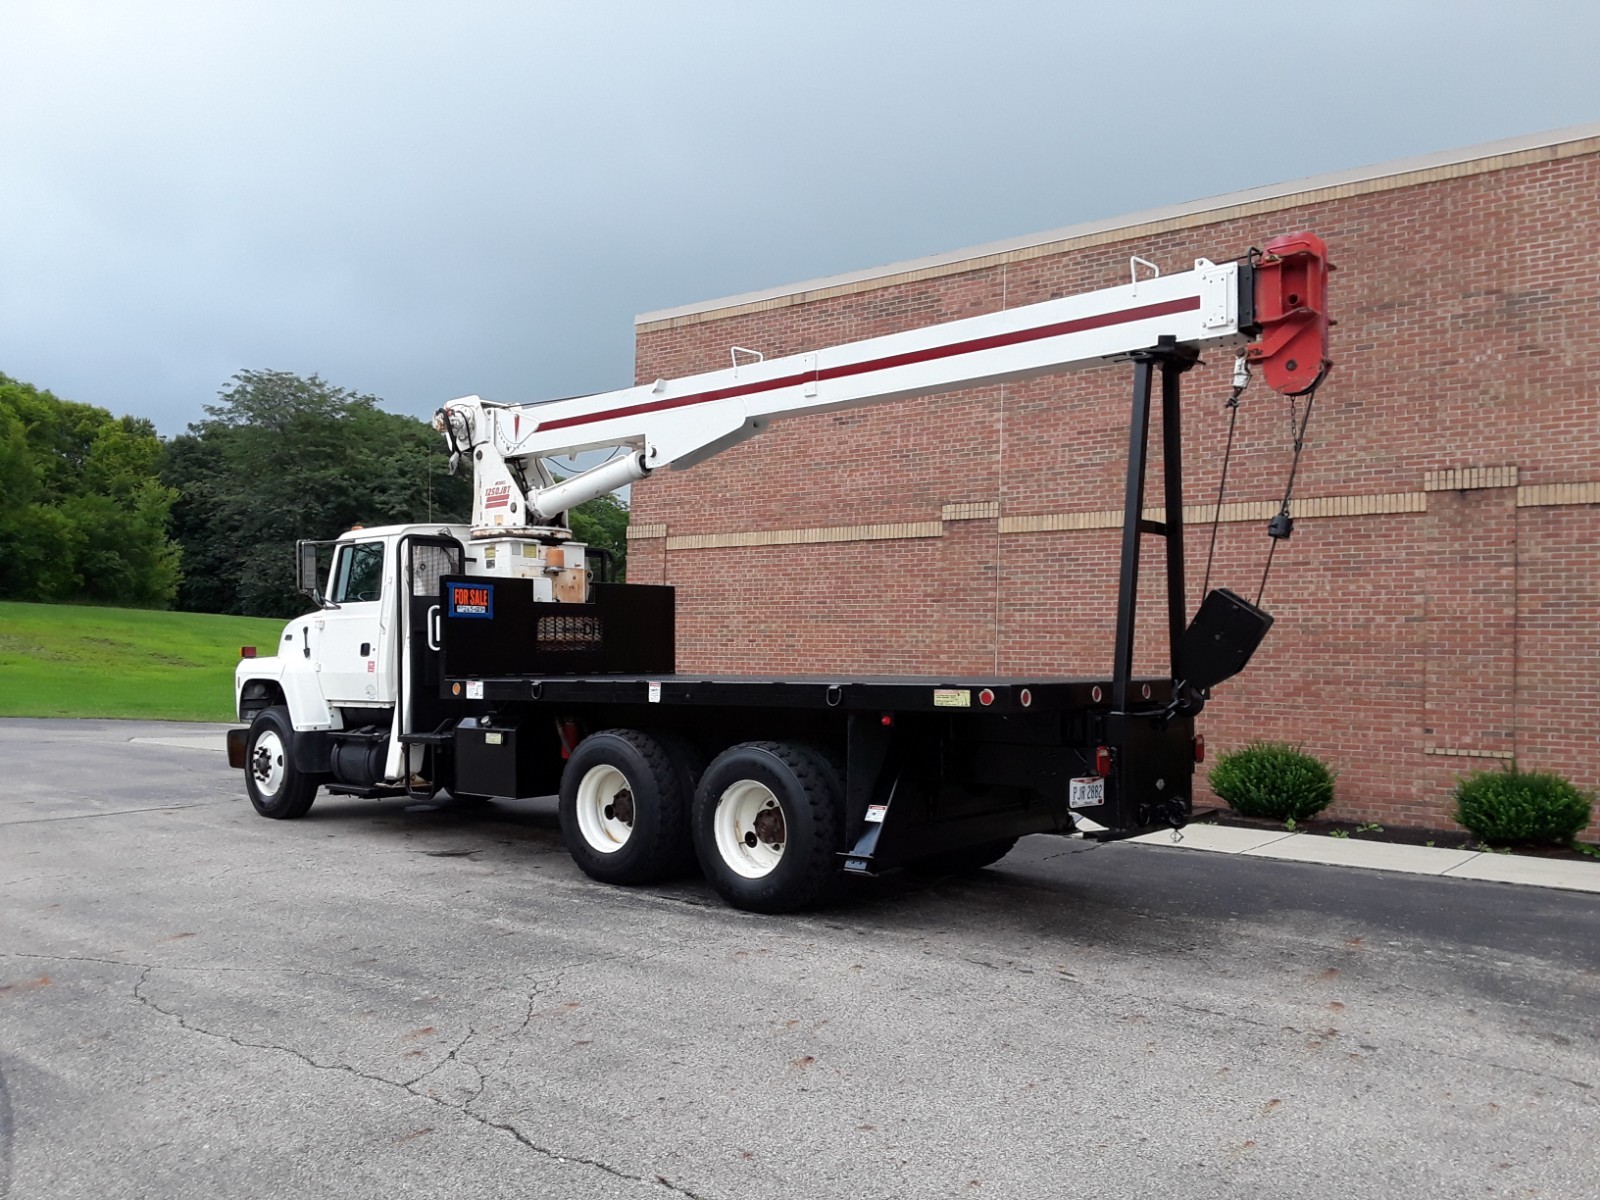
472,600
497,495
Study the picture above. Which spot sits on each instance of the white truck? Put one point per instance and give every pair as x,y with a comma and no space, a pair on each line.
498,659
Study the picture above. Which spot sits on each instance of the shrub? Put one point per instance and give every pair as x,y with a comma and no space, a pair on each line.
1520,806
1273,780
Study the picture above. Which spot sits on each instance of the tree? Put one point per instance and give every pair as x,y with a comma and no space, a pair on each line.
281,457
82,512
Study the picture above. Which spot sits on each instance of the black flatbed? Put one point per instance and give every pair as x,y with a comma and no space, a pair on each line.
899,693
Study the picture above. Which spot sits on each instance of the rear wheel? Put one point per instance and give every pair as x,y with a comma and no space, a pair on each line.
766,826
276,787
625,808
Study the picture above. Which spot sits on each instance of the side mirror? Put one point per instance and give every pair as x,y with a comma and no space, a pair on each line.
305,569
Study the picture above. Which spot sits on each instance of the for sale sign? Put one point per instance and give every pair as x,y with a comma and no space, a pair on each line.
472,600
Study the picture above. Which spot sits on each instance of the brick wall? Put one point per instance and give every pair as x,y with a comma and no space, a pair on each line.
1438,609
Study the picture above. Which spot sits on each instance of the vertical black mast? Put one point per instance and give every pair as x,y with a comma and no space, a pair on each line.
1173,361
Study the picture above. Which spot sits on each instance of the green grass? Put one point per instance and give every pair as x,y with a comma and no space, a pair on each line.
68,660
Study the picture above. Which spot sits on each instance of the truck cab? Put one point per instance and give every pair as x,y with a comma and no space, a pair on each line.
353,676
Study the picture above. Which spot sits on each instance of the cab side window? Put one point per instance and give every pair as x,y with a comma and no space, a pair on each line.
359,574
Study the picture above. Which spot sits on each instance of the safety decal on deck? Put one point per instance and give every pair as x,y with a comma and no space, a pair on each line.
952,698
472,600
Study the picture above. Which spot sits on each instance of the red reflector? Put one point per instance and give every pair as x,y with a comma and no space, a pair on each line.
986,697
1199,747
567,731
247,651
887,719
1102,761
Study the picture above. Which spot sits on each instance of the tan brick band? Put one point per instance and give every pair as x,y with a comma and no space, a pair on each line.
796,537
1308,508
1549,495
1457,752
1254,510
1466,479
970,511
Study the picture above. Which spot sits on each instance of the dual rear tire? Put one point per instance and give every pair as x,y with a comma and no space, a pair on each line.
624,806
763,819
766,825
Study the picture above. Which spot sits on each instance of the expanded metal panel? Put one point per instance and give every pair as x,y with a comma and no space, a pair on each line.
430,563
570,633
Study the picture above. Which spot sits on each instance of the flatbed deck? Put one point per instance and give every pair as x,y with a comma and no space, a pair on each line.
900,693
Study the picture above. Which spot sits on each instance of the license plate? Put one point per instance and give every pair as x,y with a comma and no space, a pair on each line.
1087,793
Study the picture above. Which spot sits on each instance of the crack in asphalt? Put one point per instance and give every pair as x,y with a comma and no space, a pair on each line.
121,812
202,969
504,1127
450,1058
1476,1060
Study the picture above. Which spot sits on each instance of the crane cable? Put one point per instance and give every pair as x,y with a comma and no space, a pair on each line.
1282,525
1241,380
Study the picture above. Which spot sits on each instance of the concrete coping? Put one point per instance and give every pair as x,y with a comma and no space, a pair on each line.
1384,856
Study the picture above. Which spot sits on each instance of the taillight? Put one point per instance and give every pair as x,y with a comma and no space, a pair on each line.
1102,761
1199,747
247,651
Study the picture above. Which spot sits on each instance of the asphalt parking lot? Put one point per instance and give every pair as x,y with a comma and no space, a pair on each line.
401,1000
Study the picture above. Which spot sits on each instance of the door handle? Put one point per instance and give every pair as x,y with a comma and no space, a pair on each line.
433,628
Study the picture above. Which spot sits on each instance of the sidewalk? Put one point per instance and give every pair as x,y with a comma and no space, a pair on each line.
1384,856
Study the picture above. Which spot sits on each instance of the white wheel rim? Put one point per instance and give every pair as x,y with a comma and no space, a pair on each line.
266,763
750,828
605,809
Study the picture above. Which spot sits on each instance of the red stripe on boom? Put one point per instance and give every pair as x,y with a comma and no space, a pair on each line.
908,358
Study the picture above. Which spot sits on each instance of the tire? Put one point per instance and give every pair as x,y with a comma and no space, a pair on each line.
964,860
766,826
689,761
625,808
276,787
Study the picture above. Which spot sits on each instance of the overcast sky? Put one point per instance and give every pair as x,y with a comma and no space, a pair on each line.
424,200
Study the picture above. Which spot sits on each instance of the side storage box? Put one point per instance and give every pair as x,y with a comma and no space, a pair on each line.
503,758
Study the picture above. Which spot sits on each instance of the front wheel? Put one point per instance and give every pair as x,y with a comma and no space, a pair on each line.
766,826
277,788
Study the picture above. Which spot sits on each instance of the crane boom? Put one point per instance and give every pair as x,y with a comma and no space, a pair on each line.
685,421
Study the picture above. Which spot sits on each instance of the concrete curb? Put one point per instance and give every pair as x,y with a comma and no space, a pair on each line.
1383,856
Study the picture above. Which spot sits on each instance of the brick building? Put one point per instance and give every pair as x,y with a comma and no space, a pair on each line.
1438,608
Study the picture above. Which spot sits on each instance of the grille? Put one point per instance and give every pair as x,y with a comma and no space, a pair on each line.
569,633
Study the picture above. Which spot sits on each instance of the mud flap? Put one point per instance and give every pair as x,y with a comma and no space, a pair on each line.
238,739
